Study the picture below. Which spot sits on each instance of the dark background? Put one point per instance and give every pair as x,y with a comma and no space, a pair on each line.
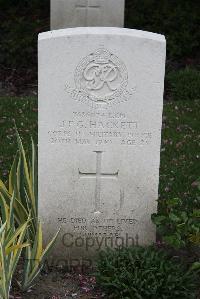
21,21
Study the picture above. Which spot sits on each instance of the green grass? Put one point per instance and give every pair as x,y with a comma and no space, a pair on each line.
24,112
180,151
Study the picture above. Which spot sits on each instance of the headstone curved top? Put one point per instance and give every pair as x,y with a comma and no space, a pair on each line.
84,13
100,115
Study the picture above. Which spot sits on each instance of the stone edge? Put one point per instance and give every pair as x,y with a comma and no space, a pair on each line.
102,31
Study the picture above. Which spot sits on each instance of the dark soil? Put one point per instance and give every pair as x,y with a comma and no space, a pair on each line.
58,284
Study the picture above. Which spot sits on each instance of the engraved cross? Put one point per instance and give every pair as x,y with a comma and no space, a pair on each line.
85,7
98,175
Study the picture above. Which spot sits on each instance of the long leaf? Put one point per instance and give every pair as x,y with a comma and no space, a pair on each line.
25,165
2,228
12,175
40,240
15,247
16,234
17,252
4,208
4,279
37,259
49,246
34,176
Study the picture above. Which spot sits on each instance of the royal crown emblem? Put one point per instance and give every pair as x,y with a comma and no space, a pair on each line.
102,56
101,79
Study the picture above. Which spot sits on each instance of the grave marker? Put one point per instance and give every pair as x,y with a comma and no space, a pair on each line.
100,116
87,13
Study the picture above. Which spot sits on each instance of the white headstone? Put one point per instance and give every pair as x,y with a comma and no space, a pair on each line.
84,13
100,115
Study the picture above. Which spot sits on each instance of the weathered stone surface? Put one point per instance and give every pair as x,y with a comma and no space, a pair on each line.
100,114
87,13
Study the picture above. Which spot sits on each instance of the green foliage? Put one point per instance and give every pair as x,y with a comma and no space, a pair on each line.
180,158
24,111
145,273
178,221
23,182
177,19
35,258
184,84
196,266
11,244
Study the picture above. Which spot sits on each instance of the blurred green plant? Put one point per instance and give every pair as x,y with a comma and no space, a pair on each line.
23,180
145,273
184,84
11,244
35,257
178,221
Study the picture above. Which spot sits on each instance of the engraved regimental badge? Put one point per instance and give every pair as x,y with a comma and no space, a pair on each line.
101,79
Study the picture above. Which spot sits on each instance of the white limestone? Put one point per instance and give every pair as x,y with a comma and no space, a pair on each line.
83,13
100,114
